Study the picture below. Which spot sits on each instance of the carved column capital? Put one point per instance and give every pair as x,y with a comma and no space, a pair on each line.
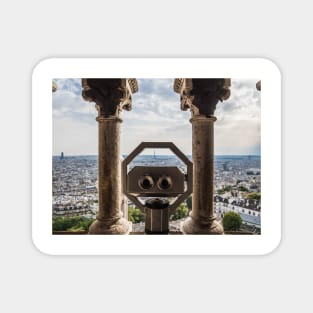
201,95
54,86
110,95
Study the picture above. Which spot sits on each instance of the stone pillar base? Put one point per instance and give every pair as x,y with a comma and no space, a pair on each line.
191,226
118,226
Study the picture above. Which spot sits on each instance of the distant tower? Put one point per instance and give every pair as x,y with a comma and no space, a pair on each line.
62,155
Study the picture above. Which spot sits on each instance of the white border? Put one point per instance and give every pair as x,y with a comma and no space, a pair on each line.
259,68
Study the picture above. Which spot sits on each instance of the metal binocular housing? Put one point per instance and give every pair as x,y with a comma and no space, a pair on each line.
148,181
157,181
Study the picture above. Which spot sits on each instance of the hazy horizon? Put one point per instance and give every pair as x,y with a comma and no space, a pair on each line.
70,155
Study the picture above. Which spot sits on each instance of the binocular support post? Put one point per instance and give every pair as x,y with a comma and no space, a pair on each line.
157,216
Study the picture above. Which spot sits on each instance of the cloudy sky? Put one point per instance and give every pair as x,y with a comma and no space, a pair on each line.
156,116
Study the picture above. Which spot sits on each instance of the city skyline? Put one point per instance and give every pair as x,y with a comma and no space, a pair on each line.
156,116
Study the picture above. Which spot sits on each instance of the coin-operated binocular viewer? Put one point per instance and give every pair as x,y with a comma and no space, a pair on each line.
157,190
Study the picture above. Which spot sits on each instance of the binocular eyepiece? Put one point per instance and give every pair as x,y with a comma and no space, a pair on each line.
155,181
165,182
146,182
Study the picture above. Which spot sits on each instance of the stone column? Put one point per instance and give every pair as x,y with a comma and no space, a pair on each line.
110,96
201,97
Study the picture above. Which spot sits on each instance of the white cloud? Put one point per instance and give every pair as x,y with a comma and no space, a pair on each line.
237,130
156,116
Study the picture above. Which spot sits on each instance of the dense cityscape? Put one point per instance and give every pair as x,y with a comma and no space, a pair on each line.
237,186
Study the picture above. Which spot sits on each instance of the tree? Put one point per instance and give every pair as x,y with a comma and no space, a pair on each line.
180,212
242,188
135,215
254,196
227,188
189,202
76,223
232,221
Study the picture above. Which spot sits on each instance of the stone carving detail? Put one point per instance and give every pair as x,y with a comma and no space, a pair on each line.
110,95
54,86
201,95
133,84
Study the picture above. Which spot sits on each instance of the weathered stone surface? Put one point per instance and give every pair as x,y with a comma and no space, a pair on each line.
110,96
117,226
54,86
192,226
109,172
201,97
